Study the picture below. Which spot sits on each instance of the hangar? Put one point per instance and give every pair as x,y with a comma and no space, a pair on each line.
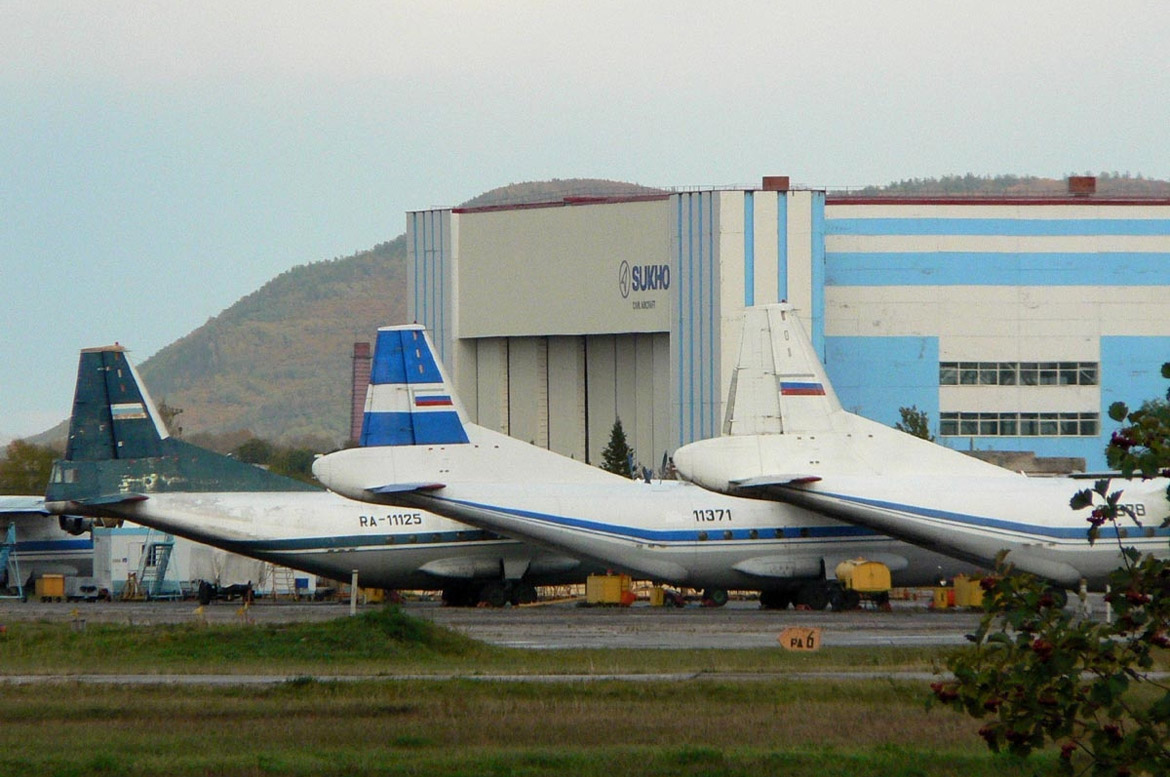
1014,322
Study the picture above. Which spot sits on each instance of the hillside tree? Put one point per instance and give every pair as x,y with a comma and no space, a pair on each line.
25,468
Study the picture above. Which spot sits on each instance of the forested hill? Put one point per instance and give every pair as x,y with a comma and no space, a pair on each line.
556,190
278,362
970,185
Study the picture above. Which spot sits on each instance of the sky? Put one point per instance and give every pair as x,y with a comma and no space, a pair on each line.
160,161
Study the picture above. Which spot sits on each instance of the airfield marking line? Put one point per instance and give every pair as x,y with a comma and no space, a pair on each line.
258,679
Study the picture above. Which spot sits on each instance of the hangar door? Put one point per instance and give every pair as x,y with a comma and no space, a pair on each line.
564,392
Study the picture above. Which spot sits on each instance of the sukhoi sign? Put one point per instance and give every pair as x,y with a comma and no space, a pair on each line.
643,277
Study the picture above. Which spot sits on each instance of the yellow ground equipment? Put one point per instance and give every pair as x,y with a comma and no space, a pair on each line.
50,588
609,589
968,592
861,579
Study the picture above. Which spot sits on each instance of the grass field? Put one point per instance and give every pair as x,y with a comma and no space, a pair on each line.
710,726
380,642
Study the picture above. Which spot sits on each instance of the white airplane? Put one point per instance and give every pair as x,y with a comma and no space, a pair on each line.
787,439
666,531
120,464
35,542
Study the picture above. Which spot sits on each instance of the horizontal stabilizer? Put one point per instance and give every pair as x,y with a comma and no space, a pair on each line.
110,499
23,507
774,480
398,488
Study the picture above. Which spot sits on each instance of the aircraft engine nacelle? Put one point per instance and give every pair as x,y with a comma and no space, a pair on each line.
74,524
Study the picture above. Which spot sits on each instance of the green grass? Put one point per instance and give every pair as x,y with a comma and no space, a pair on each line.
385,641
717,725
473,727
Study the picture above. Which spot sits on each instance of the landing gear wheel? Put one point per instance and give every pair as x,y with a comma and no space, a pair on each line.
836,598
1059,597
494,594
852,600
775,600
814,596
716,596
523,593
460,596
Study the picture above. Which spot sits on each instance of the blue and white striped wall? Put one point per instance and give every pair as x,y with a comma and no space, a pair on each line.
695,336
910,285
731,250
430,274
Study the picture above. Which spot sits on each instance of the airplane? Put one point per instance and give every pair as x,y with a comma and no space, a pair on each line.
122,465
423,453
35,542
787,439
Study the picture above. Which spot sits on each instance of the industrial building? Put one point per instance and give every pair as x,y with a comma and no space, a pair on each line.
1013,322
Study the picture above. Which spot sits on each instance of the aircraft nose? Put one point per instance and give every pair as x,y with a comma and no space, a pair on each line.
322,468
683,462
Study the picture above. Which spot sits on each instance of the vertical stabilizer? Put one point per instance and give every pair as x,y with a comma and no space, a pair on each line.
410,400
779,385
119,447
113,416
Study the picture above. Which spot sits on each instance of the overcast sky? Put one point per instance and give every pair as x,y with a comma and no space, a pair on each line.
159,161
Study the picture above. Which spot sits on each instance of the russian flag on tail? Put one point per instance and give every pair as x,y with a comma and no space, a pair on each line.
409,401
801,389
434,400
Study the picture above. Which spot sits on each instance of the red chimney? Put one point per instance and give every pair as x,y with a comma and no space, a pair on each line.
1082,185
361,380
775,183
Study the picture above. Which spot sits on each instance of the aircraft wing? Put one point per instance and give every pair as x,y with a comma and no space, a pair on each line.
104,500
67,506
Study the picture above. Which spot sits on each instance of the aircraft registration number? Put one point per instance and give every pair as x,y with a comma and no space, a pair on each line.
393,519
718,514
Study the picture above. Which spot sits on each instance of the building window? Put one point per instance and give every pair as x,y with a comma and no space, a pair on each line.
1017,373
1019,424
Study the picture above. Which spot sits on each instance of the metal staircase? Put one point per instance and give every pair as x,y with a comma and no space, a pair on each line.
10,564
283,581
152,567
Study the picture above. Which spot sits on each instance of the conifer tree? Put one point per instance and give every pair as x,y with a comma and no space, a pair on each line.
618,454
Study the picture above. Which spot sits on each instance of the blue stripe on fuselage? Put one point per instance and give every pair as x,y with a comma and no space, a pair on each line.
714,532
1030,529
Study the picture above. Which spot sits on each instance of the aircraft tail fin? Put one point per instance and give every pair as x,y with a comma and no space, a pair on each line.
119,449
113,416
779,385
410,401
